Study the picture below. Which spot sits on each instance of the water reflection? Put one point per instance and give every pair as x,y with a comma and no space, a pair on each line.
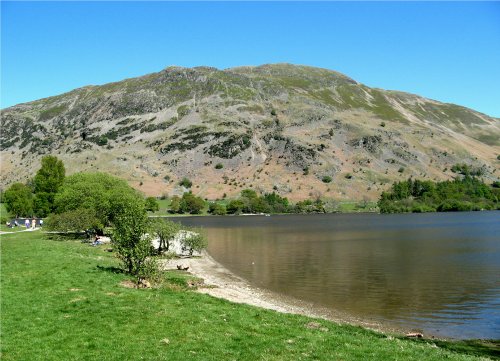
436,272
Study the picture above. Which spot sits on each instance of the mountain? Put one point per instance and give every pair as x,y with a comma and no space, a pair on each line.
275,127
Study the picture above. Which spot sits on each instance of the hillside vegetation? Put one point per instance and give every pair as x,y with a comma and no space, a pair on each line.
299,131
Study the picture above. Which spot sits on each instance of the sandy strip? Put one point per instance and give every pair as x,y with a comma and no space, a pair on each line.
221,283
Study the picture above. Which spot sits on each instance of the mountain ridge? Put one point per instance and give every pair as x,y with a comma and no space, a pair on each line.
274,127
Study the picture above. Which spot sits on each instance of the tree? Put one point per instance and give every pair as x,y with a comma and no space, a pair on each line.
175,204
191,204
96,192
46,183
235,206
130,239
165,231
19,200
192,241
76,220
217,209
152,204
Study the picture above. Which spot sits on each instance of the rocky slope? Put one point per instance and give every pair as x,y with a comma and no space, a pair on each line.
281,127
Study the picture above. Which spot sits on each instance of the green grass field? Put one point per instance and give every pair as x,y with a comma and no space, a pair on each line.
62,300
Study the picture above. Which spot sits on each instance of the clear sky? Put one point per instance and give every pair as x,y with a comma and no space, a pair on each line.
448,51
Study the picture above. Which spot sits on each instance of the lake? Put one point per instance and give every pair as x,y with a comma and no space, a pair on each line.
438,273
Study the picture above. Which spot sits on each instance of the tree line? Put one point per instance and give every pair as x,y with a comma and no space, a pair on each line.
99,202
465,193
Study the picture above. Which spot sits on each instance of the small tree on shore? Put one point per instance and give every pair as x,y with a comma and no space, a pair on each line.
165,231
130,241
193,240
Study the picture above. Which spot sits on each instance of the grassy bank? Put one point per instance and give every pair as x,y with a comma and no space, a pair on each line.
62,300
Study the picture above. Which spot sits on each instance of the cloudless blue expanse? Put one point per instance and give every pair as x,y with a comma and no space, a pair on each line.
448,51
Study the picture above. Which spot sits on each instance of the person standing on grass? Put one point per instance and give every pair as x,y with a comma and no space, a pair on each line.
33,224
27,223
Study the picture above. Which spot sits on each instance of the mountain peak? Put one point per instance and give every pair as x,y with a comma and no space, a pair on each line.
273,127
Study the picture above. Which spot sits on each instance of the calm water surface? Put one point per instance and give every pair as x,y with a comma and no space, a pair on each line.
439,273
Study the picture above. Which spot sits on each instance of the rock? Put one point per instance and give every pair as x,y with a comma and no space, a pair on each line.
313,325
414,334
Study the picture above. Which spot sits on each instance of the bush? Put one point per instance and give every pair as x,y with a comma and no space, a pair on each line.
217,209
193,241
77,220
97,192
326,179
189,203
19,200
219,166
235,206
186,183
152,204
130,239
166,231
455,206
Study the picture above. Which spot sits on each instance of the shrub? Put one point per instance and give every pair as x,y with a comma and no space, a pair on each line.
217,209
130,239
166,231
193,241
152,204
401,170
191,204
186,183
219,166
175,204
77,220
326,179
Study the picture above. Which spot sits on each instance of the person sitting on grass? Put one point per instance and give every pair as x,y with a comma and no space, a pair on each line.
97,241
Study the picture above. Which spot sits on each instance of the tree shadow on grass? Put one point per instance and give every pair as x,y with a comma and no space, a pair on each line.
111,269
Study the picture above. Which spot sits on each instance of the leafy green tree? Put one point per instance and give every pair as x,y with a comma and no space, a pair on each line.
19,200
76,220
175,204
191,204
96,192
130,239
235,206
217,209
46,183
249,193
277,203
41,204
462,194
193,240
152,204
166,231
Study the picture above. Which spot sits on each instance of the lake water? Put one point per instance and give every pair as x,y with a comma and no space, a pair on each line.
438,273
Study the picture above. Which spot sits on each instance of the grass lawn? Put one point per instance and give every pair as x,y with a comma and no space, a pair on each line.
62,300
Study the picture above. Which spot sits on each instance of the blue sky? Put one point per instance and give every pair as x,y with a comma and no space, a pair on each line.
448,51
